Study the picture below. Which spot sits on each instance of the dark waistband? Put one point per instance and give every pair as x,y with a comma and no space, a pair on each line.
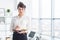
18,33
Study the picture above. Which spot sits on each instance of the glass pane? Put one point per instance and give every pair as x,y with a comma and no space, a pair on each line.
45,37
57,34
57,25
34,24
56,38
46,27
45,9
57,28
57,9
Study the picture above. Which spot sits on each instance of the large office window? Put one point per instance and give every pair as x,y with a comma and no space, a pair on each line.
45,19
57,19
50,19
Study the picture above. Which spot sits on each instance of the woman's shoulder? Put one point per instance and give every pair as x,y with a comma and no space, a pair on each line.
14,17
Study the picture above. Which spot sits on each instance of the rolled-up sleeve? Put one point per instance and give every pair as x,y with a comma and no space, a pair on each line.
12,25
29,24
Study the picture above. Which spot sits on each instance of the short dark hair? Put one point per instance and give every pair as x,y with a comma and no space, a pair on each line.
21,5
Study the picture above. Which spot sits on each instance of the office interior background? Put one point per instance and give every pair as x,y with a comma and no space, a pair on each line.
44,14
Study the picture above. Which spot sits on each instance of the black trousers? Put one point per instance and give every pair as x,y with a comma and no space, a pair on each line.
17,36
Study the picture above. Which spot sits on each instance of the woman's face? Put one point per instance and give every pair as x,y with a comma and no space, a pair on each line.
21,10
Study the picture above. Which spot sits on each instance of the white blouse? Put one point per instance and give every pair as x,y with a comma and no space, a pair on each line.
22,22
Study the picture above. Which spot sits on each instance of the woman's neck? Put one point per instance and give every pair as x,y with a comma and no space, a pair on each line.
20,15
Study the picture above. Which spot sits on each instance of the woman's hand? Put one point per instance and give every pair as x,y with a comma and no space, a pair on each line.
17,28
22,32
